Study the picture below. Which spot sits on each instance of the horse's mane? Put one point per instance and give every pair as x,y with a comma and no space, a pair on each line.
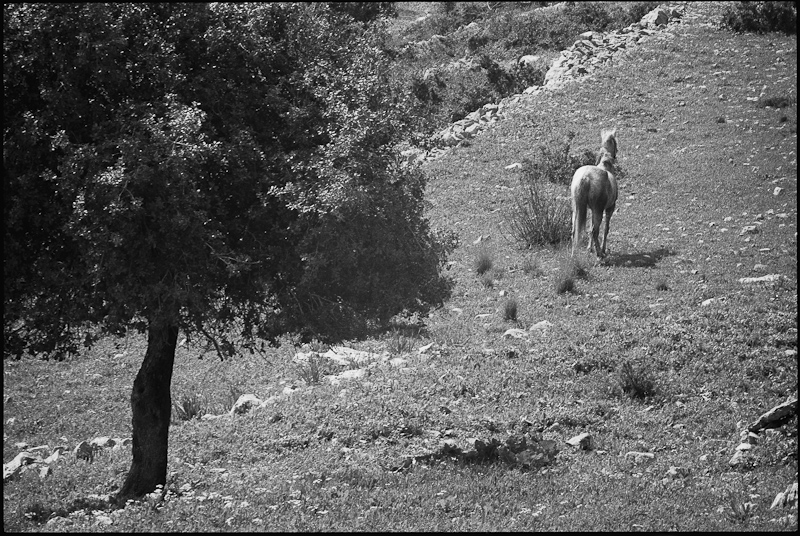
607,162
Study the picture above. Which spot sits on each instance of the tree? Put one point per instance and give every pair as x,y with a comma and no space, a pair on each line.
190,167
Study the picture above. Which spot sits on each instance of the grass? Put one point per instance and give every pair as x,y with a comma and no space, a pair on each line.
369,453
483,261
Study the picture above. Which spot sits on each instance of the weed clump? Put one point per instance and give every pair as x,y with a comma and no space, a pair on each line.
636,382
189,406
510,310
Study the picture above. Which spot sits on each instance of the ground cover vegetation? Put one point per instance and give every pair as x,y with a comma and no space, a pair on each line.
659,350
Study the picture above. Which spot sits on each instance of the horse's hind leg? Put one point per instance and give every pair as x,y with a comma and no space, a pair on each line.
597,218
575,230
609,212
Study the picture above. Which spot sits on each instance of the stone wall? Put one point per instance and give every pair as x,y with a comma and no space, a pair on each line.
579,60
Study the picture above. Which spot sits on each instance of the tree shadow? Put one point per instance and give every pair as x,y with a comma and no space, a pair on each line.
637,260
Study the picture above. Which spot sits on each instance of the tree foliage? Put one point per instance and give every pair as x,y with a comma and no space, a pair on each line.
205,165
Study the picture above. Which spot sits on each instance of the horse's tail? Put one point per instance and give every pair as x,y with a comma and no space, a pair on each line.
580,205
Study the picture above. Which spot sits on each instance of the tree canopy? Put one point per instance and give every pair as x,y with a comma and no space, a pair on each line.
227,170
207,164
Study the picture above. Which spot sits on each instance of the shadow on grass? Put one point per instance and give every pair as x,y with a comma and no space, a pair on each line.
637,260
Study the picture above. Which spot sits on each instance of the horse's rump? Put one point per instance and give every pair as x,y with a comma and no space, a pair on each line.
593,186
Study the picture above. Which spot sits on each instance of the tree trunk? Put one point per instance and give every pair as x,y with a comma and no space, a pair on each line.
151,405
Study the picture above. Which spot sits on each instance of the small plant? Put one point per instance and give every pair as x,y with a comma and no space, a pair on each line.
565,282
570,269
662,285
741,512
532,267
510,310
234,392
636,382
398,344
313,369
483,261
189,406
487,280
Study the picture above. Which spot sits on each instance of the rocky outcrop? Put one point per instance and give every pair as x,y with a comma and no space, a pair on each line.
583,57
597,48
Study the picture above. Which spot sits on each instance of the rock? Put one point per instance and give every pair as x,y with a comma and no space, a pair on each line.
584,441
770,278
516,333
396,362
104,520
760,268
540,326
55,455
528,60
423,349
640,456
657,17
738,458
744,446
775,417
45,471
778,190
13,468
345,356
350,374
749,229
245,403
677,472
515,165
706,303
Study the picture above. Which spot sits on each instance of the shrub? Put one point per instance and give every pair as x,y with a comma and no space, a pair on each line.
761,17
636,382
537,217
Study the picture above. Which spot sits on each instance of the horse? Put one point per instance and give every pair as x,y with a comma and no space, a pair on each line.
595,188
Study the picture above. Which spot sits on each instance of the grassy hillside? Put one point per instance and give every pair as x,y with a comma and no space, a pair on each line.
659,350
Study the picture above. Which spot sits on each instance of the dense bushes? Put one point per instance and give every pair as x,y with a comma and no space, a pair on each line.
762,17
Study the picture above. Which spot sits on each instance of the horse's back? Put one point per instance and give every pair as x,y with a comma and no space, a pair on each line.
594,186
